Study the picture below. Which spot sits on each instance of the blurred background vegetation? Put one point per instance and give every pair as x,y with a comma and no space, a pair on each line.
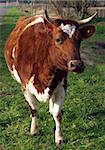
63,8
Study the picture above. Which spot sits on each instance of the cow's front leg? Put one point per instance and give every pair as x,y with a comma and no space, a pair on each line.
32,102
56,103
58,132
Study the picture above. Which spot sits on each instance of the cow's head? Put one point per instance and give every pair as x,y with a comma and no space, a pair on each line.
66,39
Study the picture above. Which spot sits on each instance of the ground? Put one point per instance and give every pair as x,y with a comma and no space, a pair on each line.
84,110
98,48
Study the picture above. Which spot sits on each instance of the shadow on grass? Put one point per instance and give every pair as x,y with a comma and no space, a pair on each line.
97,114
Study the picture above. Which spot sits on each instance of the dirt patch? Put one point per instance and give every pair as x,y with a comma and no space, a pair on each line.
1,147
92,52
99,48
5,94
87,60
100,23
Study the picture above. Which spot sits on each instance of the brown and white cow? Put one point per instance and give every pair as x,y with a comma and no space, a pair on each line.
40,52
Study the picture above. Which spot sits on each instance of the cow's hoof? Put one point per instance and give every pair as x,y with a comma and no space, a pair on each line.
34,131
60,141
34,134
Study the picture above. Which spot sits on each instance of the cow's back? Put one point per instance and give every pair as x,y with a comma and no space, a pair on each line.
14,37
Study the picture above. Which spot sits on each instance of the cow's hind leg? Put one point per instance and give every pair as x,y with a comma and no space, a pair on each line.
32,102
56,103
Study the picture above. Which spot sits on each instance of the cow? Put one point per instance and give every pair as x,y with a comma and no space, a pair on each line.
40,52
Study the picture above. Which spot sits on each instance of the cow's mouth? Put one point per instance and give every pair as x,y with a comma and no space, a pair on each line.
76,66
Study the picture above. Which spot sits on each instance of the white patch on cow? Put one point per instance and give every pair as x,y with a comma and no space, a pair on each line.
36,21
13,52
59,94
39,20
30,99
51,103
15,74
69,29
43,97
57,99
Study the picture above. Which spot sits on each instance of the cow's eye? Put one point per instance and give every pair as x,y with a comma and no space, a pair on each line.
59,40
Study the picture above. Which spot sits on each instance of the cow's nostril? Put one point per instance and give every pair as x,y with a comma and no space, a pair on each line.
72,65
76,65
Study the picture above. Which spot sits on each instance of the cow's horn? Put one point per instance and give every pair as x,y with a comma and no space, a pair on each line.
86,20
48,18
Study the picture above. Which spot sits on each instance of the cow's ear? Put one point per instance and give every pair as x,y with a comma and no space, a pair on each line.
87,31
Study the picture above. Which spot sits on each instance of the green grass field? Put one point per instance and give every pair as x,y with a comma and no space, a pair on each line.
84,110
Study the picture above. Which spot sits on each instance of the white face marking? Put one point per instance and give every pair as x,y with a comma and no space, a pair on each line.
13,53
69,29
37,20
44,97
15,74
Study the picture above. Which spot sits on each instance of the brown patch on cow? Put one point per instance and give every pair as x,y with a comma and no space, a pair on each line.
59,117
58,76
13,38
33,39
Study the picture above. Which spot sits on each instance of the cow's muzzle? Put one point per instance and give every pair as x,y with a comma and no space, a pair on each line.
76,66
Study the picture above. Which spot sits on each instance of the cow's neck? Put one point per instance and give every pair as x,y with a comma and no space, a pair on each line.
49,76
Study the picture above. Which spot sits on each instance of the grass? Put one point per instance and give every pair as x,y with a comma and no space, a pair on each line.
83,114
